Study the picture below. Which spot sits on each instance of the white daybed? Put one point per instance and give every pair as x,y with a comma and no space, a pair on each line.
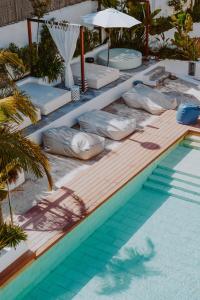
106,124
72,143
97,76
149,99
45,97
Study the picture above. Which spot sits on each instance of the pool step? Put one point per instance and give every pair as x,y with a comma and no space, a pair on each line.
185,186
193,138
184,173
183,177
191,144
149,184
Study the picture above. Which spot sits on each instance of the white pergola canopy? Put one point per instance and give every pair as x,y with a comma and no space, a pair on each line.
110,18
65,38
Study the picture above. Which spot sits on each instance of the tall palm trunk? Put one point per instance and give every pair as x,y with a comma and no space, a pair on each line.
1,215
9,203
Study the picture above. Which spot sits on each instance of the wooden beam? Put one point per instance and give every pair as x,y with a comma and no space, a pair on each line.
30,42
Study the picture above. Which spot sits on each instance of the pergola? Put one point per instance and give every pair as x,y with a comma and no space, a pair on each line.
82,59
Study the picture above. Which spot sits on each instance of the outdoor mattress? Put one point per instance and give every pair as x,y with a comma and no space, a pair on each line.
73,143
107,124
45,97
149,99
97,76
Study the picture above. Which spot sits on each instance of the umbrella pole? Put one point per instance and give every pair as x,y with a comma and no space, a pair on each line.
108,48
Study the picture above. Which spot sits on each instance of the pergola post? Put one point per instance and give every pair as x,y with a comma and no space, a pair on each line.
30,41
82,59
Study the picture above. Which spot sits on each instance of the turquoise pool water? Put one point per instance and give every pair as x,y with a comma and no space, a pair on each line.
148,249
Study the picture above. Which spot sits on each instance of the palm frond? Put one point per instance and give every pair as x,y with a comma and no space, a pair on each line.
7,57
14,107
11,235
27,153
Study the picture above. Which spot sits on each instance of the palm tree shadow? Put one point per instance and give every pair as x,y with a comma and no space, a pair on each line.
121,271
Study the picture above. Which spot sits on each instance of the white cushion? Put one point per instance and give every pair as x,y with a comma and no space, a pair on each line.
73,143
149,99
46,97
107,124
97,76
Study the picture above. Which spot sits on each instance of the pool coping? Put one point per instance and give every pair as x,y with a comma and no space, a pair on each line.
169,134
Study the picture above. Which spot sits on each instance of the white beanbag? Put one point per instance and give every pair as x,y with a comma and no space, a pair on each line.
107,124
73,143
151,100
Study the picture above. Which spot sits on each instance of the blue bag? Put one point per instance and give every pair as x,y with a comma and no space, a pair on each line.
188,114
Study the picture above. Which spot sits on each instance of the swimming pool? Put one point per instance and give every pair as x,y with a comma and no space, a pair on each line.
142,244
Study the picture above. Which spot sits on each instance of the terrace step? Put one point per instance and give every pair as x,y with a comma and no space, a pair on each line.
149,184
183,177
170,182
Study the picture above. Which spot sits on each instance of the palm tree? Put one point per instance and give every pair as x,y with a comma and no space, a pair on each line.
16,151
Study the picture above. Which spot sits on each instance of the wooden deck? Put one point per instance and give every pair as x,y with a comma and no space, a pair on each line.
56,215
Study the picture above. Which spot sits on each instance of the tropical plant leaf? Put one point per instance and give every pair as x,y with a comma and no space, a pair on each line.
27,154
14,107
11,235
7,57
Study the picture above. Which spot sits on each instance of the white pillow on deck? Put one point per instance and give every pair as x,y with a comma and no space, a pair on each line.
149,99
73,143
106,124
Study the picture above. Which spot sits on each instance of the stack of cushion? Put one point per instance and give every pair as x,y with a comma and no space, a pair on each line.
107,124
149,99
72,143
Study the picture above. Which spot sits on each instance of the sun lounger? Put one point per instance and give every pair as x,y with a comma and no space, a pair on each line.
73,143
149,99
97,76
107,124
155,76
45,97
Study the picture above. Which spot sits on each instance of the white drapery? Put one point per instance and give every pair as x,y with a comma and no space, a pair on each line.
65,37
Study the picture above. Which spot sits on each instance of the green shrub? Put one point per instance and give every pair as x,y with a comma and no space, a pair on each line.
196,11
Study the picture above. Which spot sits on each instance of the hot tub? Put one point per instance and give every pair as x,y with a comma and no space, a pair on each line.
121,58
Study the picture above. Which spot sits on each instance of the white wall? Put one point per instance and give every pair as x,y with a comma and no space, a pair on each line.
163,4
17,32
170,34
